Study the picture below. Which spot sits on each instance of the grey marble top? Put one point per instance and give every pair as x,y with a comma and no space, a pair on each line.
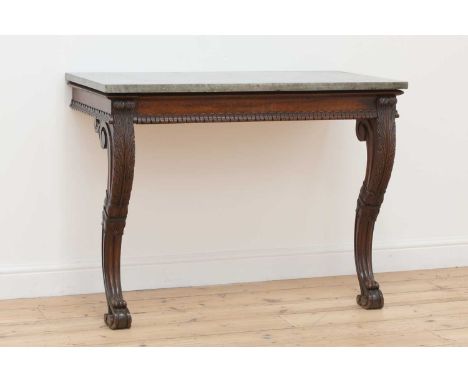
181,82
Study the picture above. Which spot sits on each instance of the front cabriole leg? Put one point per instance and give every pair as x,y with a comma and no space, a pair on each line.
117,135
379,134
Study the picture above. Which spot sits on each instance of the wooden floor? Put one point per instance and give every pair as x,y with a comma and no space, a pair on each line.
422,308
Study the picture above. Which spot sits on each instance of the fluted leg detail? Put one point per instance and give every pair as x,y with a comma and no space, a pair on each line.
117,135
379,134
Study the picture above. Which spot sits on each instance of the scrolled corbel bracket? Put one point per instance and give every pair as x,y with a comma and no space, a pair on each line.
102,129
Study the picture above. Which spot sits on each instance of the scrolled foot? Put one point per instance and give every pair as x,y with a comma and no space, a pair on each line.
118,319
371,299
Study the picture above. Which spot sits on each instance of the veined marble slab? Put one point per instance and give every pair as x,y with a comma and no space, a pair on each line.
209,82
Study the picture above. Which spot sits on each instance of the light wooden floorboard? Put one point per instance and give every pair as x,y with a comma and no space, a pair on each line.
422,308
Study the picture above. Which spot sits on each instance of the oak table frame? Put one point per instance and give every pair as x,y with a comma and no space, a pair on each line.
116,110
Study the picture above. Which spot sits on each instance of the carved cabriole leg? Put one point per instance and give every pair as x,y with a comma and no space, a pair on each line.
379,135
117,135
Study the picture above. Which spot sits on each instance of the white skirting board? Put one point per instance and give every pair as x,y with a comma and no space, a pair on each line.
227,267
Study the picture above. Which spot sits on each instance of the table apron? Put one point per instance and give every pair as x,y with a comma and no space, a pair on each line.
233,107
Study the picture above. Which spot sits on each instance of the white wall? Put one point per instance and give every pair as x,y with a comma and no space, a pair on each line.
223,203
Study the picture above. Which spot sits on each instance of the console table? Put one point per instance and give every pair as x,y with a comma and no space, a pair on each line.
117,101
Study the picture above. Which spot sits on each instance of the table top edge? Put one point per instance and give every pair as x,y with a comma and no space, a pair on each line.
226,87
